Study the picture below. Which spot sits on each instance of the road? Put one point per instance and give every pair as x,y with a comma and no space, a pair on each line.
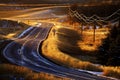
24,51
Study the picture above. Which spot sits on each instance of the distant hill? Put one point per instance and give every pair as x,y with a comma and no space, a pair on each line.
10,24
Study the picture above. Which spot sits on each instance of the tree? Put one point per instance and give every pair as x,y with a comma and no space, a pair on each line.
108,53
114,33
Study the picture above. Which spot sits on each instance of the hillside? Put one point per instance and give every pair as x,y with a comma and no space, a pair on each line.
11,24
63,47
11,29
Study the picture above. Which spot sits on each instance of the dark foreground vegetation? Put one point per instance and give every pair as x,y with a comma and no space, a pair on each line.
2,46
110,48
13,72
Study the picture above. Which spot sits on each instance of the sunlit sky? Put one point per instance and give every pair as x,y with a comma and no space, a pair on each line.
59,1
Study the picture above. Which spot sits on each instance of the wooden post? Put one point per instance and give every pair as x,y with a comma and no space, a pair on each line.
81,28
28,22
119,25
94,27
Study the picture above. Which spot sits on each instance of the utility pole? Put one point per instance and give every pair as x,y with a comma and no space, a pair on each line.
94,27
119,25
81,28
28,22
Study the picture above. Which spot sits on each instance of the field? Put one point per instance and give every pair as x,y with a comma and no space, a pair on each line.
63,46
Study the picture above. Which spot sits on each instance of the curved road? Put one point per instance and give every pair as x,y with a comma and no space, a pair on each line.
25,52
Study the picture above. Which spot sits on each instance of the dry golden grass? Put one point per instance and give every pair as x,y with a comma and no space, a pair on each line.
67,40
51,49
26,73
111,71
88,44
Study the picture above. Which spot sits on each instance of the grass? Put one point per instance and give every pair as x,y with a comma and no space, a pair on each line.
88,44
7,33
26,73
70,39
60,45
12,29
51,49
111,71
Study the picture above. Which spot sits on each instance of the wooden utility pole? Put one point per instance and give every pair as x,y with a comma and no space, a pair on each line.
119,21
81,28
28,22
94,27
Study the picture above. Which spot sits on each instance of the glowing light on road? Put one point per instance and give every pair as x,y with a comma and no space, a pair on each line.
58,26
38,24
10,35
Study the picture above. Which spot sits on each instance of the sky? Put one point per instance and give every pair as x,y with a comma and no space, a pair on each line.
60,1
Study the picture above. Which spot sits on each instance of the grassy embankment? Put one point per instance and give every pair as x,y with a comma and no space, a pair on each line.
61,45
27,74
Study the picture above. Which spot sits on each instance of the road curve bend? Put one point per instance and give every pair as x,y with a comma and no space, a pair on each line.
25,52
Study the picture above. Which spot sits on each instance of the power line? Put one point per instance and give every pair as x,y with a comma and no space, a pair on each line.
93,17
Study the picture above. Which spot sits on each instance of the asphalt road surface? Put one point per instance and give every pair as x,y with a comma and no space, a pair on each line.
24,51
